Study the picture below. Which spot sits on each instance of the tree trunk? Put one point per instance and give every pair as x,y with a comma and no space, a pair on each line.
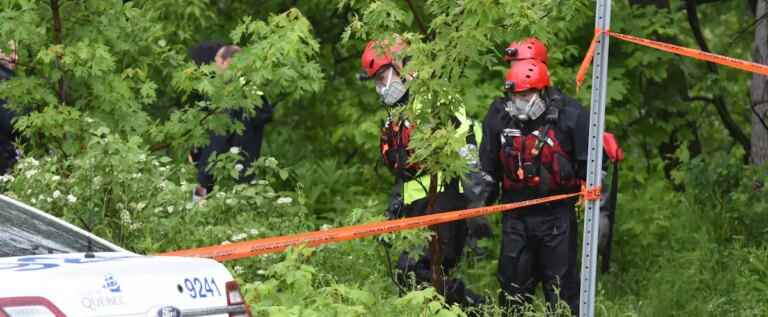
434,243
759,107
57,40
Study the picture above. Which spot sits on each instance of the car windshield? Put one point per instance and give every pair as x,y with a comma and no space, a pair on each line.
25,232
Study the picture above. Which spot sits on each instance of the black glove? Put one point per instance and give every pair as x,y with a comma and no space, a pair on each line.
395,208
479,188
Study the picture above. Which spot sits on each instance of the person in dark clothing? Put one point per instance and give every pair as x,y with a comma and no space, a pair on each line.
534,49
8,135
248,142
534,145
204,52
409,197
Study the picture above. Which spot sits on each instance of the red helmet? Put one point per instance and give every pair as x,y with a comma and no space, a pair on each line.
527,74
530,48
373,59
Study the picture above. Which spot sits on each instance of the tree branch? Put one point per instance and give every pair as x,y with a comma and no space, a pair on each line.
422,27
719,102
749,27
759,116
434,243
699,98
57,40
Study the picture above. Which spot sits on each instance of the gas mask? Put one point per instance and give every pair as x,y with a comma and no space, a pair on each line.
525,106
391,89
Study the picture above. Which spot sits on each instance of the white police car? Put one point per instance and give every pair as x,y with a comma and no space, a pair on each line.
50,268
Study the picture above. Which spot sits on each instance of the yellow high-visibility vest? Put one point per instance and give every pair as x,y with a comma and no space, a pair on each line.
417,188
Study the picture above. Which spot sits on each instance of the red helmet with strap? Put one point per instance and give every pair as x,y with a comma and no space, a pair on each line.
530,48
527,74
378,54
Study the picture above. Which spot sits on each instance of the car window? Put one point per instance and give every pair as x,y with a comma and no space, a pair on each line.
25,232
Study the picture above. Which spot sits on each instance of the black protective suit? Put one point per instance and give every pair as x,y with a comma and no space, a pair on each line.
539,243
8,135
453,236
249,141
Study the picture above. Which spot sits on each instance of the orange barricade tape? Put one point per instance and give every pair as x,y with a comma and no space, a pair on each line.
675,49
697,54
251,248
593,193
587,60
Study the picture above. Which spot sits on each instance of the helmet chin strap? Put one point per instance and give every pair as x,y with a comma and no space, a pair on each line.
389,77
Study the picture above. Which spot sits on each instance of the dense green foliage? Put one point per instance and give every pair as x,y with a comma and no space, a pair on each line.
108,120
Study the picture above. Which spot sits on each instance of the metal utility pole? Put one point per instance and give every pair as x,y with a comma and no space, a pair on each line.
595,160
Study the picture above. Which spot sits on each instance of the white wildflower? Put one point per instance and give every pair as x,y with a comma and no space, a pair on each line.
284,200
239,236
226,242
125,216
56,178
253,231
239,269
56,194
30,173
169,209
234,150
6,178
239,167
48,199
325,227
71,199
